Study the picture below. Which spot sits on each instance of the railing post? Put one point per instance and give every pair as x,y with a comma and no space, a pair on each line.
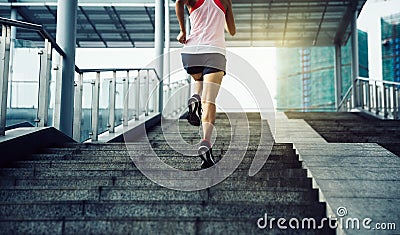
5,43
385,103
394,97
44,85
57,95
146,96
171,97
164,99
397,102
390,96
183,97
189,81
361,94
125,114
155,95
376,98
137,95
95,107
112,88
368,96
78,108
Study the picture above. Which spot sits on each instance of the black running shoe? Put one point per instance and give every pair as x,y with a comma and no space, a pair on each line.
194,115
205,153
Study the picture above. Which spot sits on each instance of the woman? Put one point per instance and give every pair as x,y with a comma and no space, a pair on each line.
203,57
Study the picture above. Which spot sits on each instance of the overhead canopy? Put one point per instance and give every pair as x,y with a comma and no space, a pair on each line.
130,23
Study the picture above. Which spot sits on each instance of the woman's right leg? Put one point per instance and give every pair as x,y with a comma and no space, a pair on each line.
212,83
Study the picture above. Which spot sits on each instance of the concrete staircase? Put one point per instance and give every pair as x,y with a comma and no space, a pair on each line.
95,188
353,128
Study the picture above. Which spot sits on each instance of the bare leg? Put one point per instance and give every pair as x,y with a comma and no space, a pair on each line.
194,105
212,83
198,85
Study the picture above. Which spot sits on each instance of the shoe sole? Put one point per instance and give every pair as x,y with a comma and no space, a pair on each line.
192,117
208,160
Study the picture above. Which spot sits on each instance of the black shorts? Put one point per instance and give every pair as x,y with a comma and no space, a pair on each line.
204,63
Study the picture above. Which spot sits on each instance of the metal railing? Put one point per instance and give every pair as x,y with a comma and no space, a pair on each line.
346,102
46,55
377,97
139,87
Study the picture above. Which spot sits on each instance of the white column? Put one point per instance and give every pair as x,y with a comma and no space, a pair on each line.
167,43
338,73
159,47
66,39
354,56
12,51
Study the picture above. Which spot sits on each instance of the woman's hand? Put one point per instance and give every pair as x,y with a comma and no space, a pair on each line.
181,37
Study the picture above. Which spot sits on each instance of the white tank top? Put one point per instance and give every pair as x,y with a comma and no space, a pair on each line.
207,21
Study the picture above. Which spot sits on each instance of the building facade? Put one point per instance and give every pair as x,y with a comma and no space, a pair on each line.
391,48
306,76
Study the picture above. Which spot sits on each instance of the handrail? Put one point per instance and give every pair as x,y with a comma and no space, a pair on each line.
38,28
376,80
34,27
345,98
302,109
80,71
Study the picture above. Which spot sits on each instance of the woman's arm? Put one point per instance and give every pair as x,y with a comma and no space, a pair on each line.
229,19
180,14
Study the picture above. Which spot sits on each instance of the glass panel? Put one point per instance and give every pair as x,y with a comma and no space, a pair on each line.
53,78
86,123
23,84
119,98
131,94
105,79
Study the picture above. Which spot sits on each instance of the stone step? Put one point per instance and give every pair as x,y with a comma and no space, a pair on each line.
105,158
165,147
146,209
23,172
231,183
121,146
177,162
108,156
146,226
275,195
157,146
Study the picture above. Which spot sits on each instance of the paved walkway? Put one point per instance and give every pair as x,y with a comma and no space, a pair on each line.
363,178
